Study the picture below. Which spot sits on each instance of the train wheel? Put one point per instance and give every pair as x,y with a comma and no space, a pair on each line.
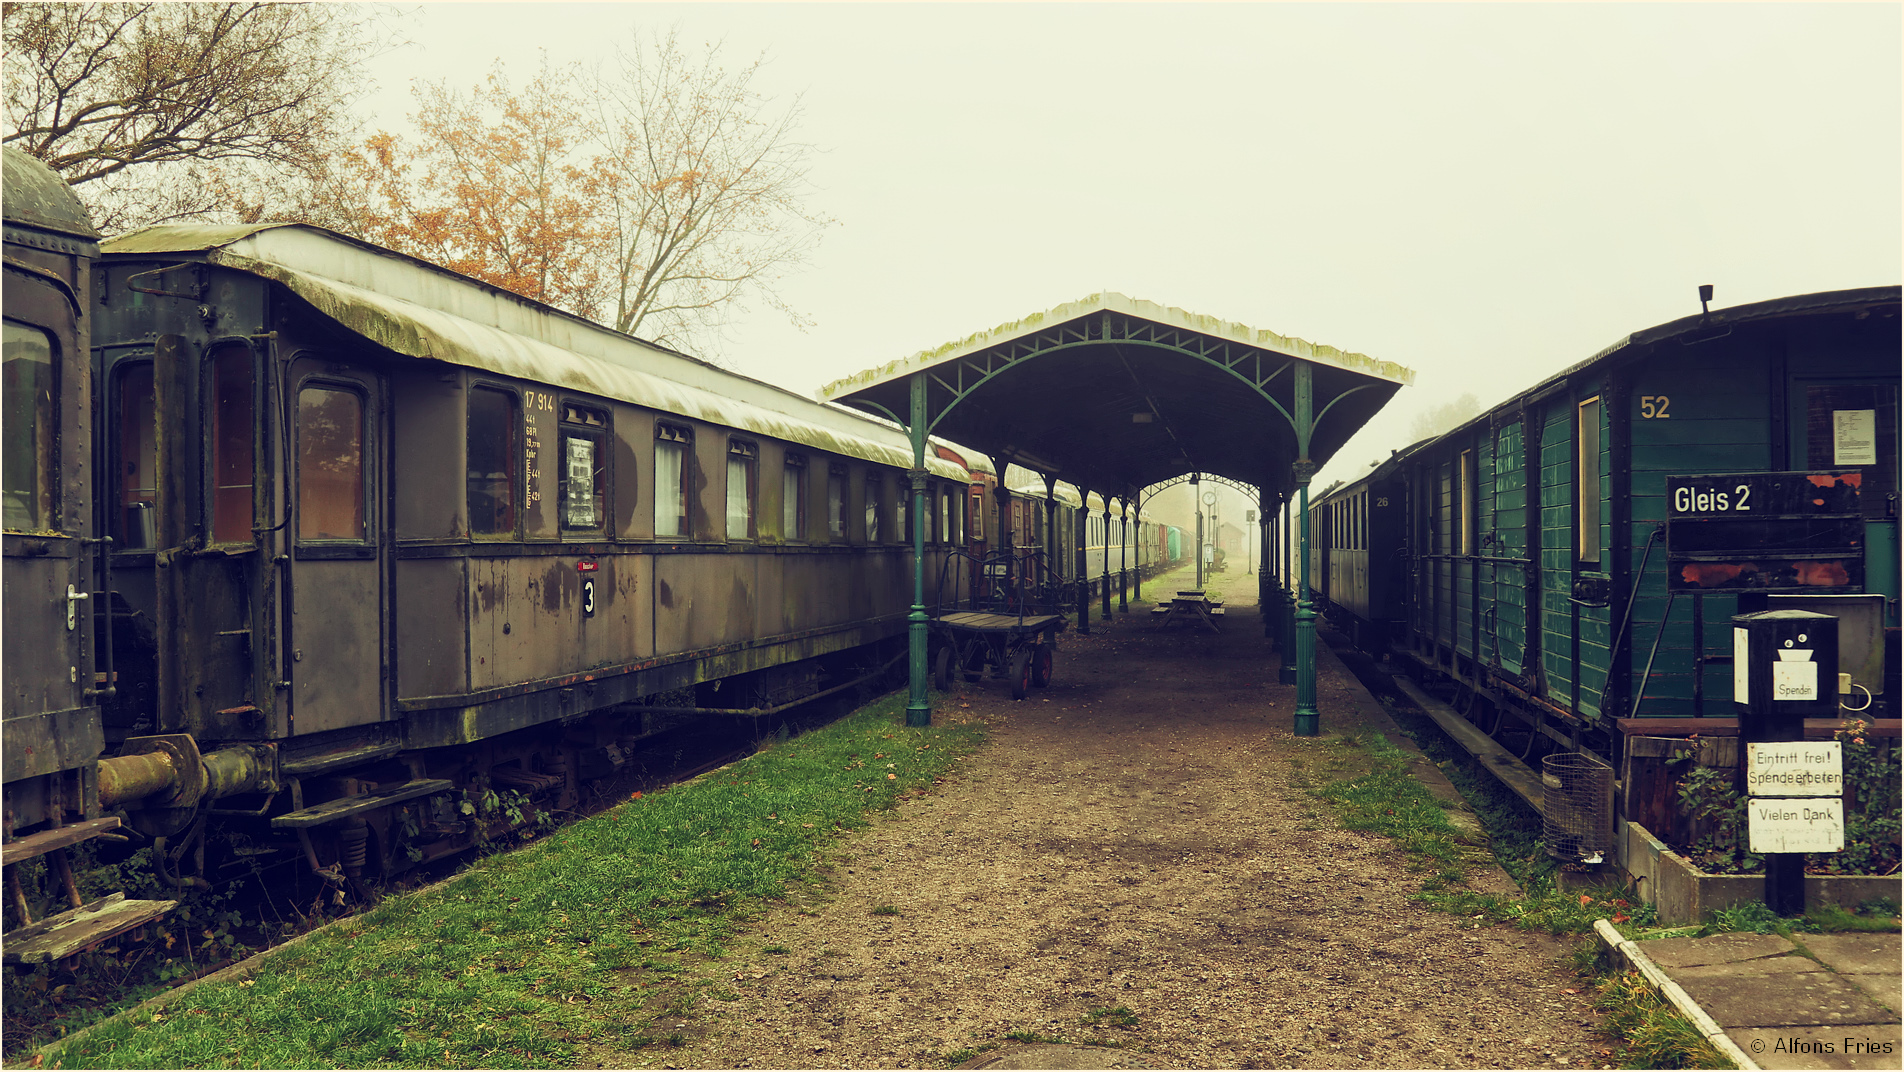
1021,673
942,668
1041,666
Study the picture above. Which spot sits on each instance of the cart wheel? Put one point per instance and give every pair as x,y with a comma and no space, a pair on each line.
942,668
1041,666
1021,673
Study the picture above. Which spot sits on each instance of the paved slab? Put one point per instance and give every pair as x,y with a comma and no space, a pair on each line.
1810,999
1873,1047
1857,954
1718,949
1886,989
1762,966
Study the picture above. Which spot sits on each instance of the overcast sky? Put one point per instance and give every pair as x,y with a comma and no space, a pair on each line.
1483,193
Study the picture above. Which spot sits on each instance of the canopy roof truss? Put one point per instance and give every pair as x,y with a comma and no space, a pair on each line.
1116,394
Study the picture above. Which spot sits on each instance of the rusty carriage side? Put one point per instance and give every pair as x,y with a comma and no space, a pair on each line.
57,674
394,542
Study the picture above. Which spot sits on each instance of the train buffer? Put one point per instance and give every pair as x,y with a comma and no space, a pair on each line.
1189,606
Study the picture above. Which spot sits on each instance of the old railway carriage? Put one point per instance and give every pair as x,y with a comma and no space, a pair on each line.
52,730
385,535
1553,578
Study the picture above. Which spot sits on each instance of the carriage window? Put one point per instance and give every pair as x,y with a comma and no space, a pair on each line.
584,468
873,487
945,517
836,503
902,508
135,520
975,529
232,470
493,434
1588,495
793,498
740,490
330,461
671,470
28,424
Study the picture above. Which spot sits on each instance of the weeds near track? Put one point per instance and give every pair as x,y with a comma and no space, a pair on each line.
580,940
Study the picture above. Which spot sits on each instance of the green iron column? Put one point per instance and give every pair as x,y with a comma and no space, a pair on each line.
1123,560
1287,644
1308,719
1052,564
1263,586
1084,562
918,711
1137,582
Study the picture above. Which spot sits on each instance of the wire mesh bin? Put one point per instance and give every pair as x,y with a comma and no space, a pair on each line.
1577,810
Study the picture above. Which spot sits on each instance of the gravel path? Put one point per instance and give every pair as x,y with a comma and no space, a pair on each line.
1137,839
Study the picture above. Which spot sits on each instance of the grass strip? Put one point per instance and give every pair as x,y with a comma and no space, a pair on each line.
1652,1033
531,956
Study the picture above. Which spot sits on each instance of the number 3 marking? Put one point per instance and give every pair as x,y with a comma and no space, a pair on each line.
588,598
1653,407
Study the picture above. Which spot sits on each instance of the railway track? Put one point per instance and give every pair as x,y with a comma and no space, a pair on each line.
266,907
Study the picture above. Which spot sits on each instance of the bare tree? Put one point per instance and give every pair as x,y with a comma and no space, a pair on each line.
1438,419
704,191
157,111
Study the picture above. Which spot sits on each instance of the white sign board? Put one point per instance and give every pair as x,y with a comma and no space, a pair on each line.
1794,769
1854,437
1795,825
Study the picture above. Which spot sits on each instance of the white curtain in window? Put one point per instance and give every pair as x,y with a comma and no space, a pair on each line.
740,508
790,490
670,506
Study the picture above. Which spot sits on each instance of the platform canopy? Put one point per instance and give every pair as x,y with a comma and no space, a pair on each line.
1115,394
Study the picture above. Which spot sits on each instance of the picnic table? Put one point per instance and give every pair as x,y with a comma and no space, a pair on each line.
1190,605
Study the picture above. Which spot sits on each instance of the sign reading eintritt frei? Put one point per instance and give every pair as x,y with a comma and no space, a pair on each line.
1794,769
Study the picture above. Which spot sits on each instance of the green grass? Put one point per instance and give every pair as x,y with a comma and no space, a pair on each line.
585,938
1653,1033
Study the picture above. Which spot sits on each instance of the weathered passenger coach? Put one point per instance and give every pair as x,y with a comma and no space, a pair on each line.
385,537
52,673
1574,555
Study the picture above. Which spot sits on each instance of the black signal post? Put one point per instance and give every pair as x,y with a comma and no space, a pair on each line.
1785,670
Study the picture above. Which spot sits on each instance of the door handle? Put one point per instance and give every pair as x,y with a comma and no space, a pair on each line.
73,596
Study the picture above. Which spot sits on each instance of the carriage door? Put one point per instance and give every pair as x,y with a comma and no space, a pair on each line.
336,662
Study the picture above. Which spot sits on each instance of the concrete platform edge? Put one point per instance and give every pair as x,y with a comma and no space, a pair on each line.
1680,1000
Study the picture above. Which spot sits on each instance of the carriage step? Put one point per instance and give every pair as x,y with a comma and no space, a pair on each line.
46,841
342,808
78,929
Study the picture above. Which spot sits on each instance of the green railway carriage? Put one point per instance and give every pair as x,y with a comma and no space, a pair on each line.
1555,574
